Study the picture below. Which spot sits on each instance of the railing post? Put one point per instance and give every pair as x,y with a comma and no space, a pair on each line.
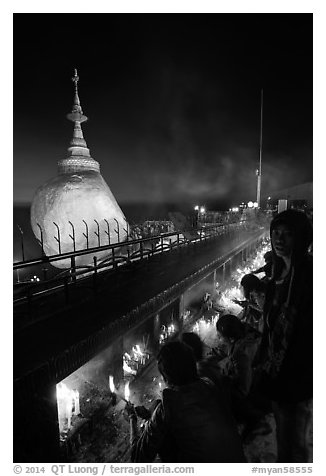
86,234
73,235
118,229
22,242
97,233
41,237
58,238
108,232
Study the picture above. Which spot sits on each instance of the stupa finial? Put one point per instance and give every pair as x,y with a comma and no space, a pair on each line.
75,79
76,114
76,105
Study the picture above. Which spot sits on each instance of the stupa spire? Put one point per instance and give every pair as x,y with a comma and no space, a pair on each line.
79,157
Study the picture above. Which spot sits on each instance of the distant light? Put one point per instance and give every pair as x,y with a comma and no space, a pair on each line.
250,204
196,207
269,198
255,205
235,209
202,210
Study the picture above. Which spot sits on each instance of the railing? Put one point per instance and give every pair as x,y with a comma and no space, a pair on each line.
118,254
81,352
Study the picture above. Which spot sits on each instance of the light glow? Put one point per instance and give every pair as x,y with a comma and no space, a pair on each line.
111,384
127,391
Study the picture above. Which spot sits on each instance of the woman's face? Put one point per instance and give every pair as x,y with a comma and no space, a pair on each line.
223,343
258,298
282,240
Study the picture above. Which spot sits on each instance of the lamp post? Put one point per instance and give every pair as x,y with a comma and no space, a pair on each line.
196,208
260,151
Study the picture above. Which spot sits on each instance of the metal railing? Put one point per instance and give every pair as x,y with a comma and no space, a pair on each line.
118,254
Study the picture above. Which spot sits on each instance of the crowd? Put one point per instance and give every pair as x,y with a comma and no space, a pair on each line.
262,363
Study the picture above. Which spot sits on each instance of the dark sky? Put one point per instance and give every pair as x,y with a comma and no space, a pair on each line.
173,102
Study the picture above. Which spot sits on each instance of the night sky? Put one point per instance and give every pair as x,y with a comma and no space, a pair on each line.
173,102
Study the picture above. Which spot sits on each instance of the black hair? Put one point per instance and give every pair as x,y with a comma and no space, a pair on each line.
230,326
302,231
250,282
194,341
176,362
268,256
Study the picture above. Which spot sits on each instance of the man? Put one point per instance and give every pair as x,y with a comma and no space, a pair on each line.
286,350
267,268
254,292
239,342
189,424
208,366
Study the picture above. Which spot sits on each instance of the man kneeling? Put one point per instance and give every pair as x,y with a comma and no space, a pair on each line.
189,423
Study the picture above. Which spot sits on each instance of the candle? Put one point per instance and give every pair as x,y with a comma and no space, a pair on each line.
68,412
77,408
127,391
112,390
111,384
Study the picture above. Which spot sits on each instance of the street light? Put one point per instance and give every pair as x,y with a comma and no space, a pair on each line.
196,208
250,204
255,205
202,210
259,170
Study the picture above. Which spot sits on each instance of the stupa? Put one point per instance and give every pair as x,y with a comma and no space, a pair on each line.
76,209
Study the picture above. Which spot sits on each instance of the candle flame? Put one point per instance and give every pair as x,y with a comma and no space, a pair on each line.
137,351
127,391
68,405
111,384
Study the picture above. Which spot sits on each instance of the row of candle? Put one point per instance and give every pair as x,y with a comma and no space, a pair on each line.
114,393
167,331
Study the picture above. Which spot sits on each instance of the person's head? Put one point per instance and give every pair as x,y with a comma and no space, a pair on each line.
229,329
195,342
251,283
176,362
291,234
268,256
